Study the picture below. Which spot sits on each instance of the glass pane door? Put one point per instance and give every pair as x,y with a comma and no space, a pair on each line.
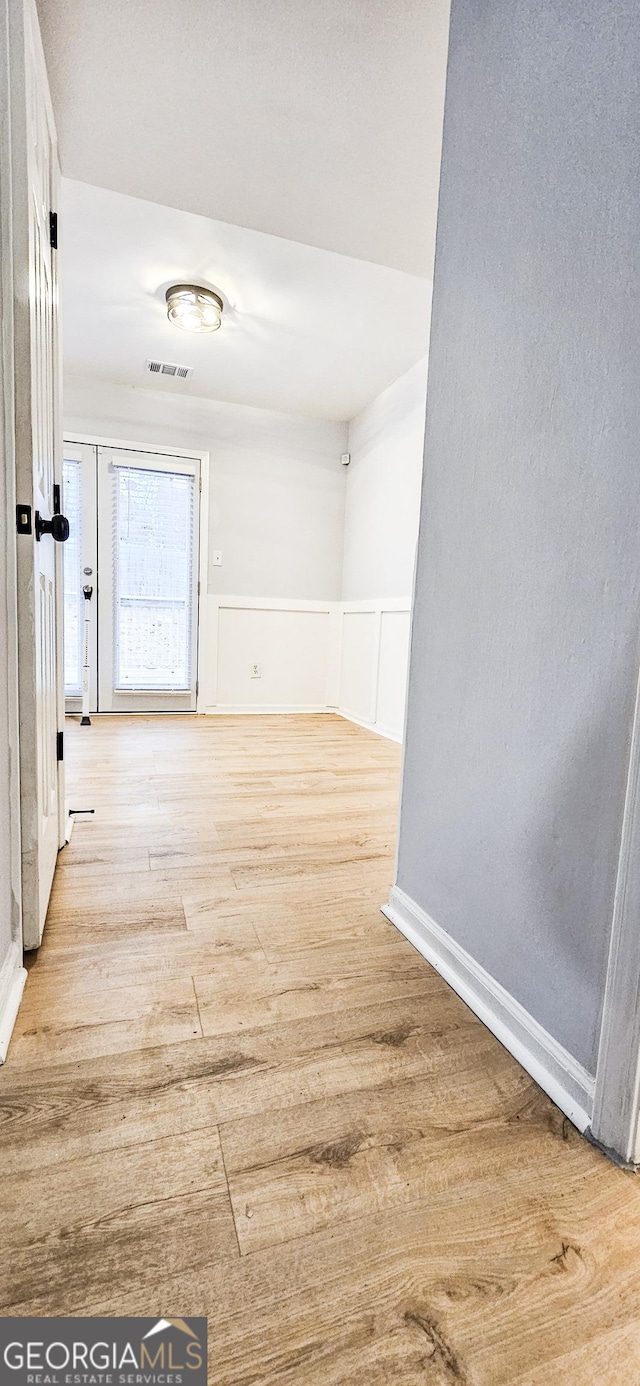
148,533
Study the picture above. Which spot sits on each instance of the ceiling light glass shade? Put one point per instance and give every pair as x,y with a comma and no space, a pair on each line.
194,309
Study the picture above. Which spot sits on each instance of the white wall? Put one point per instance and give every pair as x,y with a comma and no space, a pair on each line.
277,486
386,443
277,512
384,480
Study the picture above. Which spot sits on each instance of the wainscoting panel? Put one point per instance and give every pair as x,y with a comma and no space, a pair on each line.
359,664
288,641
346,657
373,664
392,671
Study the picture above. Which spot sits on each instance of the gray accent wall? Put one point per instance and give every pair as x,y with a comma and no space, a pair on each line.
525,644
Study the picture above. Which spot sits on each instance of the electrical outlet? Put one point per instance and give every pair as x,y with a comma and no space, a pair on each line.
255,671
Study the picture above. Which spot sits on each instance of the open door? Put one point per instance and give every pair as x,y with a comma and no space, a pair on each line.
38,465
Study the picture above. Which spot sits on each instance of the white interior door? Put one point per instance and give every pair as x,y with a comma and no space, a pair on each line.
37,468
148,526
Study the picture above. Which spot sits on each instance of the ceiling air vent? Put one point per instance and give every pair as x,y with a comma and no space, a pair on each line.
169,368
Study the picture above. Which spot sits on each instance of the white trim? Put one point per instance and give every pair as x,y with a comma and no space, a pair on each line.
270,603
375,604
265,709
203,576
12,979
555,1070
389,733
616,1108
72,436
8,497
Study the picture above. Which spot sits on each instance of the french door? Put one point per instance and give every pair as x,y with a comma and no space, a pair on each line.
134,519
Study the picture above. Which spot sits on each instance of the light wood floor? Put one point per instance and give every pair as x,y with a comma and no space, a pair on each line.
235,1090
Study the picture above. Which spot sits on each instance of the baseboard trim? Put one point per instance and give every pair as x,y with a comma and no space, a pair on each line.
12,979
260,709
389,733
565,1081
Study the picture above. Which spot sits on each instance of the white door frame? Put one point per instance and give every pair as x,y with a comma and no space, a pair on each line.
196,455
28,72
12,973
615,1123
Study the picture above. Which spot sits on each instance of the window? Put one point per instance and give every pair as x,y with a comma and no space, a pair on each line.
153,519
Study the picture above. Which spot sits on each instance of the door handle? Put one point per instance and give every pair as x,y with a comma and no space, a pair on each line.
57,527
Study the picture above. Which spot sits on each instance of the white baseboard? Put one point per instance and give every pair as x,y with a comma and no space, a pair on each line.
266,709
259,709
12,979
556,1071
390,733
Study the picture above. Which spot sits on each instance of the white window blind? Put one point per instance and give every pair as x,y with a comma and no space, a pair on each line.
153,555
72,578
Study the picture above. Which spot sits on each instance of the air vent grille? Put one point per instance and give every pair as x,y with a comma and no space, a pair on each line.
169,368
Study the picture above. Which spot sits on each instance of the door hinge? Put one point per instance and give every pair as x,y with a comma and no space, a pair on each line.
23,519
53,230
60,746
197,687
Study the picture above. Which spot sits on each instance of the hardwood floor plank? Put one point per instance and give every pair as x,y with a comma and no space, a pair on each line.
162,1205
82,1025
224,1048
399,1297
296,1171
227,1076
273,993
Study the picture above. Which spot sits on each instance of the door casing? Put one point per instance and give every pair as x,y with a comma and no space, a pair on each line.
37,404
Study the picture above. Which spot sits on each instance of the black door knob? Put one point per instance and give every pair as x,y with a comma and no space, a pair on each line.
57,526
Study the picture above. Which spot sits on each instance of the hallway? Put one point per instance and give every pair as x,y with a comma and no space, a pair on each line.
234,1089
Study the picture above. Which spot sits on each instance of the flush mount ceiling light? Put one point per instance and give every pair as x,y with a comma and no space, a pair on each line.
193,308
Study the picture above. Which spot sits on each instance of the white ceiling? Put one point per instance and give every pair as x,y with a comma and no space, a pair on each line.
304,330
315,120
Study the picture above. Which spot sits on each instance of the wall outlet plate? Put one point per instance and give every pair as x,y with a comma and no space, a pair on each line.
216,558
255,671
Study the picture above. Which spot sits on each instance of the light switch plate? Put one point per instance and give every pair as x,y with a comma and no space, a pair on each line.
216,558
